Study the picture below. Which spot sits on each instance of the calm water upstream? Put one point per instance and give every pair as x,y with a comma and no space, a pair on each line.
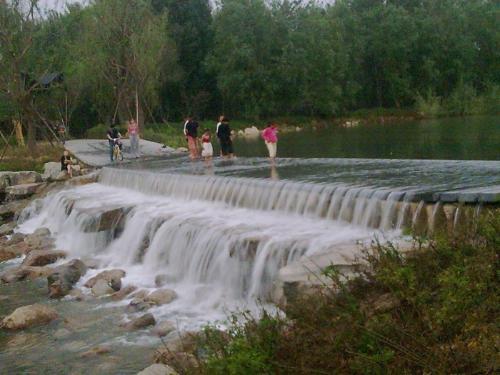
458,138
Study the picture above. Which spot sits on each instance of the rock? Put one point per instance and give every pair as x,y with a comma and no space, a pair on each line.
143,321
29,316
112,277
43,257
98,350
241,133
8,179
25,272
107,219
91,263
161,280
83,180
16,238
298,129
141,294
122,293
138,304
181,342
163,328
62,176
40,239
62,333
12,209
51,170
42,232
161,296
181,149
64,277
102,288
6,229
158,369
179,359
77,294
6,255
252,132
17,192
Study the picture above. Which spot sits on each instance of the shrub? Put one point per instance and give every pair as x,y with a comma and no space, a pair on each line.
430,105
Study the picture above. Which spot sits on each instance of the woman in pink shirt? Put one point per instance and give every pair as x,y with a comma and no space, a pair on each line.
133,135
269,134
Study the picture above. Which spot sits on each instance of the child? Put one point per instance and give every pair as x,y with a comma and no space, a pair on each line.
207,149
66,163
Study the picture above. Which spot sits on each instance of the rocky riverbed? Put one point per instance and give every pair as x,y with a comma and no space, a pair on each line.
60,315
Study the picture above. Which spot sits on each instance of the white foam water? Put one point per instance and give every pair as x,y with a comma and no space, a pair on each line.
219,243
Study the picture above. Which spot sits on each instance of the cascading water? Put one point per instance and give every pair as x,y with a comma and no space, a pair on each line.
220,242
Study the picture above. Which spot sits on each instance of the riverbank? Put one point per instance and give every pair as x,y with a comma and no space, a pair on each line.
434,310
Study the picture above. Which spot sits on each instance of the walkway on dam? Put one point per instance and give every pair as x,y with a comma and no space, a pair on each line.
95,152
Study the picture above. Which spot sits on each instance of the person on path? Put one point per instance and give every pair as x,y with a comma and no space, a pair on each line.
224,135
221,117
191,132
269,134
113,136
133,135
207,149
67,163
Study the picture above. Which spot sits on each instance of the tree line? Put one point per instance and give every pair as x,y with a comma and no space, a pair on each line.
249,59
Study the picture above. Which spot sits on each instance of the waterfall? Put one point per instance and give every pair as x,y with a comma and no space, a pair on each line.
364,206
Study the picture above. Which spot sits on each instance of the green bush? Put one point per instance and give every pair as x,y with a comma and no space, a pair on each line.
97,132
430,105
434,310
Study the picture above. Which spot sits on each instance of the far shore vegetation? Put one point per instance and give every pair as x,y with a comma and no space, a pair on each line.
295,62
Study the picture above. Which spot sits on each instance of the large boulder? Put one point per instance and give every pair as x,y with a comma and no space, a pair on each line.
111,277
43,257
64,277
29,316
141,322
161,296
51,170
16,192
158,369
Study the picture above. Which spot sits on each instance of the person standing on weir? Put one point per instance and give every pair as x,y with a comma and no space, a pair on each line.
133,135
191,132
269,134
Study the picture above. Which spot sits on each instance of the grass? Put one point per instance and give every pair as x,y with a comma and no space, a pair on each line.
435,311
20,158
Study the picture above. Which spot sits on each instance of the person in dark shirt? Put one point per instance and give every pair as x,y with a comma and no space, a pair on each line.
113,136
66,163
224,135
191,131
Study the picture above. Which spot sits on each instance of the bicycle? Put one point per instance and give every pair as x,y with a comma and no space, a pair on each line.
117,151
